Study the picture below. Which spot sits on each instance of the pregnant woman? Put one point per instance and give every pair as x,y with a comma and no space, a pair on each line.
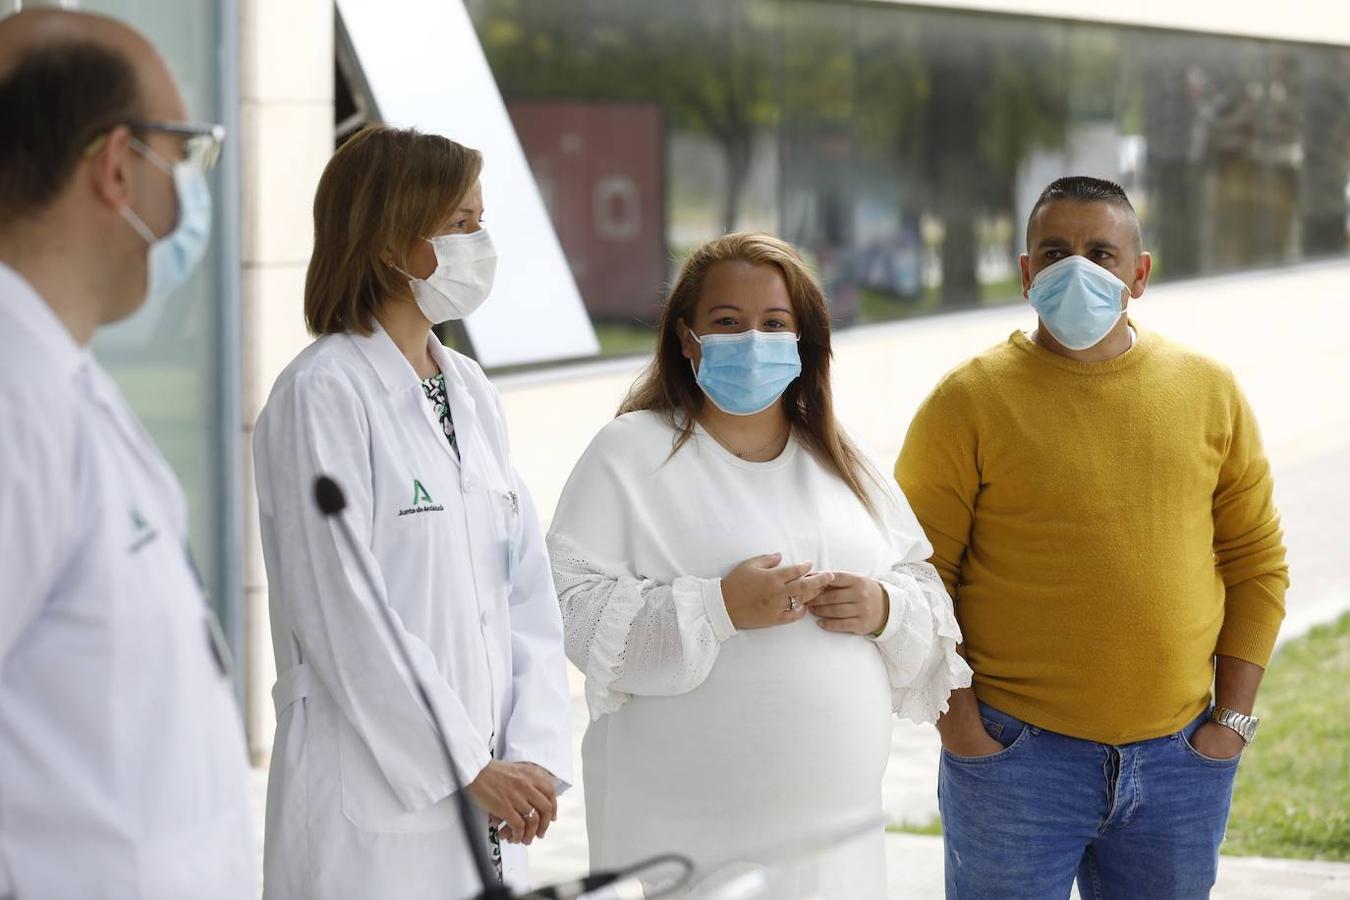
748,599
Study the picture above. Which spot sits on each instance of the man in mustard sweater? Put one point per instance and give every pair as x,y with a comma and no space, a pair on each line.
1100,508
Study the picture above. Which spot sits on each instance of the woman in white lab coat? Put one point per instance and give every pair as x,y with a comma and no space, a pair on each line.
748,596
360,798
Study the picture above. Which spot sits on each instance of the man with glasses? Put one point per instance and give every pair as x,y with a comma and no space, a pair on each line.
123,771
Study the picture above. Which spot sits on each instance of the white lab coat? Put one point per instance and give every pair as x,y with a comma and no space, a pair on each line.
359,804
123,771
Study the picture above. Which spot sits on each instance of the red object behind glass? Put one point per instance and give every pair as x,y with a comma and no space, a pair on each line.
601,169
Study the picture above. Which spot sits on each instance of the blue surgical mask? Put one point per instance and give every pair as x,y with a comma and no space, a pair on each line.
174,256
746,373
1079,302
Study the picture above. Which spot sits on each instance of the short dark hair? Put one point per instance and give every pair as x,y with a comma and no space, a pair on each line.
54,102
1082,189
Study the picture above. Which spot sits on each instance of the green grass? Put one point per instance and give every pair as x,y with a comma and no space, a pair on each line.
1001,293
931,828
875,306
1292,798
623,339
635,338
1293,790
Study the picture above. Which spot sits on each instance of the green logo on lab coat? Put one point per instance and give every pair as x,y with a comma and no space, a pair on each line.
422,502
141,531
420,494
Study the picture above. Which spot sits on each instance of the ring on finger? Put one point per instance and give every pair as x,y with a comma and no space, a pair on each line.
531,814
794,604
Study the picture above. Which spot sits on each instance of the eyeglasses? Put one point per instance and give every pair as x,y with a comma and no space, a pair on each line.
201,142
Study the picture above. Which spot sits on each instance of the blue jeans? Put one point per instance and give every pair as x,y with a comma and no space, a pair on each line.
1139,820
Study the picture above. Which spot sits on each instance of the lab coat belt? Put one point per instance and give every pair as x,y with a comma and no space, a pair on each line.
296,683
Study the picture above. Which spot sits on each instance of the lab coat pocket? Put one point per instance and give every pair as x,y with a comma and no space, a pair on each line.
369,803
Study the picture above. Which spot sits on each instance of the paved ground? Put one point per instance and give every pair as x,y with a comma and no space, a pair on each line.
1287,336
916,874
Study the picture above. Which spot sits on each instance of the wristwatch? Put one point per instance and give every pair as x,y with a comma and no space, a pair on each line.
1245,726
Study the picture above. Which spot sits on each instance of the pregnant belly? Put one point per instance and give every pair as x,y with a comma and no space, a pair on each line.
787,738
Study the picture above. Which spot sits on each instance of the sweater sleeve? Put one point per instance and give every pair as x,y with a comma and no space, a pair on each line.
939,474
1248,543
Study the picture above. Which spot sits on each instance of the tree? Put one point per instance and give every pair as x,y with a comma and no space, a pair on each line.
708,63
1324,124
994,93
961,101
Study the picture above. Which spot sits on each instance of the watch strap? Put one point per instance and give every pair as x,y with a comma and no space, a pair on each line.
1244,725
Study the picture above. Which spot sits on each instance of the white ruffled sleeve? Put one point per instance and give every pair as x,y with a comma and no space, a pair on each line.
635,636
627,633
919,641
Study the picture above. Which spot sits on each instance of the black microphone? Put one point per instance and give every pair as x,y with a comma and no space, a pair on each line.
329,496
331,503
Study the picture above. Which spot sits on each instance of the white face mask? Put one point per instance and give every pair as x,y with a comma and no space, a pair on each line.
465,266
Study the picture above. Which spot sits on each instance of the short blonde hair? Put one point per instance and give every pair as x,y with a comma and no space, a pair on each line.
383,190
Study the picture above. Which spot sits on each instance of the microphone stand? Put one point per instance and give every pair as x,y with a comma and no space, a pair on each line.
331,502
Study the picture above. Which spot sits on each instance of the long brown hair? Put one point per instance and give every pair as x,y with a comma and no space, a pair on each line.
383,190
668,386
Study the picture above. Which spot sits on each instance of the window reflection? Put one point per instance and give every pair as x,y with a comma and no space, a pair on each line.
901,148
168,358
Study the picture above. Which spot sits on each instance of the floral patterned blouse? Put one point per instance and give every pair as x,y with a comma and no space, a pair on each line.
434,388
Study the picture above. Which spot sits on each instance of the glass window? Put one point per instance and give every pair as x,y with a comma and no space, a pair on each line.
901,148
171,359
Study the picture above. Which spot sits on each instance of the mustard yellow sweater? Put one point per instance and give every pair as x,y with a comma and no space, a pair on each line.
1105,529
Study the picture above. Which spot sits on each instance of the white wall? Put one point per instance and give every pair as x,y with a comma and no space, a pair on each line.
1314,21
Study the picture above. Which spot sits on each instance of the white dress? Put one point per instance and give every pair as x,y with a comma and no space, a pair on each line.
731,746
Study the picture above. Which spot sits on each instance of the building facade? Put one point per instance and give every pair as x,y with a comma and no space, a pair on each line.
900,145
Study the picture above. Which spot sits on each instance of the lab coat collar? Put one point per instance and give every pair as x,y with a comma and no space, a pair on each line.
454,382
389,363
394,370
396,374
23,303
103,390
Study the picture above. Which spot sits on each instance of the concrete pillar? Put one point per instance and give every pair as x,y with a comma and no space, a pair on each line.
286,97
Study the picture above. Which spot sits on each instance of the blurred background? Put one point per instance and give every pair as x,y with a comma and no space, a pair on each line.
899,145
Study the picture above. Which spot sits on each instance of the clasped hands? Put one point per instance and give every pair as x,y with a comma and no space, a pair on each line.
762,592
520,799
